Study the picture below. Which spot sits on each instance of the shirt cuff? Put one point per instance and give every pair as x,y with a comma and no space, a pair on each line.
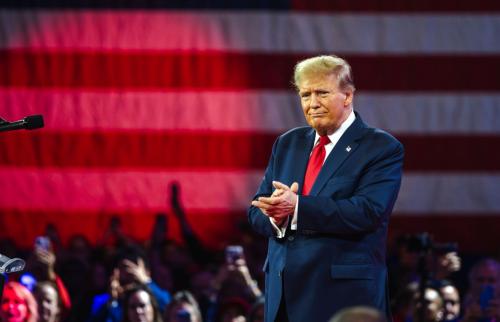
293,225
280,231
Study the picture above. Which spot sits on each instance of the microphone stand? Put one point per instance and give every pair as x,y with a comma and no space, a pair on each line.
2,283
8,265
423,271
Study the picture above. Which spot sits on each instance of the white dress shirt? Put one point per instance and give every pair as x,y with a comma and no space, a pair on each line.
334,139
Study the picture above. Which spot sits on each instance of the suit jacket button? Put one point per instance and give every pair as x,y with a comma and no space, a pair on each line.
291,238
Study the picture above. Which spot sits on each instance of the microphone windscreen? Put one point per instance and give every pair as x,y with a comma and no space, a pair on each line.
33,122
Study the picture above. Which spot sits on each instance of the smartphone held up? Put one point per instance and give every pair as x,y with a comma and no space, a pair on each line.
233,253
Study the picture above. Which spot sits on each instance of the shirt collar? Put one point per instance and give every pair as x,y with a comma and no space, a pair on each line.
335,136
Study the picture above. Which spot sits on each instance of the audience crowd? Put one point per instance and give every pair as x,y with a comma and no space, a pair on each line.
166,281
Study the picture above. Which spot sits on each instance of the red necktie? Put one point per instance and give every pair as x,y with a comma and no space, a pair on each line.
315,163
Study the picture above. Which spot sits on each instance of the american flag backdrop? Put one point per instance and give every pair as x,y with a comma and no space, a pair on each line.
137,94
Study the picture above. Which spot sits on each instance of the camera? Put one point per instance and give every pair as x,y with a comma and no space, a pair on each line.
10,265
423,243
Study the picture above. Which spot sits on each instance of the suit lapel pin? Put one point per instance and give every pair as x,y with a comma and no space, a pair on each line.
348,149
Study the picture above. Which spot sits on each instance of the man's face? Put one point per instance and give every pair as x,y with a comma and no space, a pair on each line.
325,106
139,307
451,300
433,311
486,275
48,305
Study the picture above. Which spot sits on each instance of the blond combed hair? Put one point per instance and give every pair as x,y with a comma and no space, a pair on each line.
29,300
324,65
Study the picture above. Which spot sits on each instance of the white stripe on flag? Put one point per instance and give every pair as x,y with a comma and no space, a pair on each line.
250,31
260,111
453,193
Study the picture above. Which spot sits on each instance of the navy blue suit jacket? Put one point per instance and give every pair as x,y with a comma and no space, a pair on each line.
336,258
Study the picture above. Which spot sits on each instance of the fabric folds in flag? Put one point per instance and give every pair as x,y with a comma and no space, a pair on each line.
138,97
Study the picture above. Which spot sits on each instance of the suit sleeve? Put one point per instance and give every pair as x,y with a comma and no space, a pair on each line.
367,208
257,219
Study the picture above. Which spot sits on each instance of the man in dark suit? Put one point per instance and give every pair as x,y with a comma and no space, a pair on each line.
325,201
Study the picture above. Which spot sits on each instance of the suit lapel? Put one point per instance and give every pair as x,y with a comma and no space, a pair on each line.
301,157
340,153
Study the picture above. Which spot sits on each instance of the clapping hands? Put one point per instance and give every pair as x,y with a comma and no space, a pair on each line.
280,204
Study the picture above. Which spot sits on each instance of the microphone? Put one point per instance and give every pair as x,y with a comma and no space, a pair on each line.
29,123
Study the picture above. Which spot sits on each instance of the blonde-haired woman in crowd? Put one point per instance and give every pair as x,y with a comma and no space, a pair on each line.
18,304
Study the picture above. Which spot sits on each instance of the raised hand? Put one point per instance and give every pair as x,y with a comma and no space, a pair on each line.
138,271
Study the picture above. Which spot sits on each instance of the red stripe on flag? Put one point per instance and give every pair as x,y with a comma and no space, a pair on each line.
451,152
407,6
237,71
165,150
219,150
472,232
213,228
